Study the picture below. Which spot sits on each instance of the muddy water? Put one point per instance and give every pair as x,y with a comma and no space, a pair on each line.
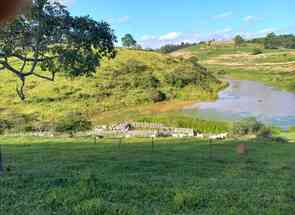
250,99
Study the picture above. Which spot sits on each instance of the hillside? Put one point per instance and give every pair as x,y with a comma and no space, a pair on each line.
251,61
133,83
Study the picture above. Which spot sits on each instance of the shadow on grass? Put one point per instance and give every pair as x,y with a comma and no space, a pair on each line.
67,157
77,176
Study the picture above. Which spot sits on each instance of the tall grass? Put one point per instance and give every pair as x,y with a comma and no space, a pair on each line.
179,120
133,79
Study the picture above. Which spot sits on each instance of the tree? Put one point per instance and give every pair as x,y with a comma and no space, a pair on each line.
128,41
73,122
46,40
239,41
270,41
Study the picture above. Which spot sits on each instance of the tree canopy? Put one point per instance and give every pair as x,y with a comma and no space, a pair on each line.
273,41
174,47
128,41
46,39
239,40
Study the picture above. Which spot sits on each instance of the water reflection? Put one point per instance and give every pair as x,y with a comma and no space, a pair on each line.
250,98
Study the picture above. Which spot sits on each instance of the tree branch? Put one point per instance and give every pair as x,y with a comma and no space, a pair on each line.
52,78
23,66
20,90
20,57
6,65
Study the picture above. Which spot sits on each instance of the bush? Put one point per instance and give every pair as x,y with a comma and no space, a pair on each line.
4,125
193,59
179,120
17,122
265,133
73,122
135,66
158,96
247,126
279,140
257,51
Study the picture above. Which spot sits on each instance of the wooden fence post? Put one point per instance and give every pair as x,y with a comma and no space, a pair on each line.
210,150
120,143
1,162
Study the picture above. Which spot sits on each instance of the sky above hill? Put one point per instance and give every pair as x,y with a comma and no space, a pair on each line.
157,22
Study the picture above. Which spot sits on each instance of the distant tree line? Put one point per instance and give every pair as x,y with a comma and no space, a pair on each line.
273,41
174,47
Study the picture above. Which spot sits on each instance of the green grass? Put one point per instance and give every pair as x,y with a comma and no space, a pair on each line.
288,135
67,176
181,120
204,52
279,79
129,81
274,67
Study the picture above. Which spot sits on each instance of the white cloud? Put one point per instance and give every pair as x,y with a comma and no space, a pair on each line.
170,36
249,18
223,15
65,2
149,41
267,30
225,30
123,19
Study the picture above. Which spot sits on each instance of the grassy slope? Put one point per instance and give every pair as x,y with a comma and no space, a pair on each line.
52,176
274,67
90,96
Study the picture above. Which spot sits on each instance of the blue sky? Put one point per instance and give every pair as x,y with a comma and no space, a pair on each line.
157,22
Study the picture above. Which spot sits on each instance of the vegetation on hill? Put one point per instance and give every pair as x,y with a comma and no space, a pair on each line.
250,61
180,120
166,49
132,79
273,41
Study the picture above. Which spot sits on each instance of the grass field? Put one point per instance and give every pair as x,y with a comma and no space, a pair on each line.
77,176
275,67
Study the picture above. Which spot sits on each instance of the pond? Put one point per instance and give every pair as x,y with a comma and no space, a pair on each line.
249,99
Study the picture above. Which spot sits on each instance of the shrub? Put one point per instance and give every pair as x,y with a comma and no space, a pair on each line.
4,125
17,122
193,59
73,122
247,126
279,140
257,51
146,81
135,66
178,120
264,133
158,96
